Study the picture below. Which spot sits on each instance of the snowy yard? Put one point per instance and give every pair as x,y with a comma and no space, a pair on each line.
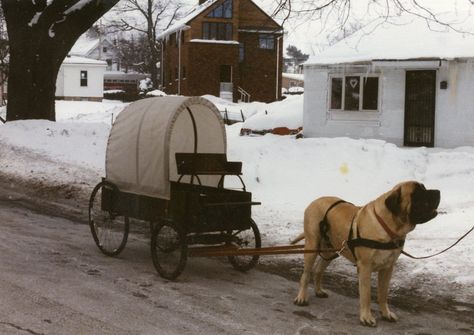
284,173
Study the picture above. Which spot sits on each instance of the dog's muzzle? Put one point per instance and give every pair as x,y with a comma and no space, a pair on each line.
424,206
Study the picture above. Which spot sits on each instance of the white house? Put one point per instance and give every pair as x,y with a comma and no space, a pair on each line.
97,48
408,84
81,78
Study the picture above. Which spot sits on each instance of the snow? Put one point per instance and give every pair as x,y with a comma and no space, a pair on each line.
197,40
83,60
181,23
113,91
84,45
294,76
77,6
398,40
282,172
286,113
156,93
296,89
35,19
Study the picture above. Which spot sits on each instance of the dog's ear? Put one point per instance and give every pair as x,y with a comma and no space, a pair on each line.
393,201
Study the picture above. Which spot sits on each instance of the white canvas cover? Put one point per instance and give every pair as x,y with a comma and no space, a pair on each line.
140,155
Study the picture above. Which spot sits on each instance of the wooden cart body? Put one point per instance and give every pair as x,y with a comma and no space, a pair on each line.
195,208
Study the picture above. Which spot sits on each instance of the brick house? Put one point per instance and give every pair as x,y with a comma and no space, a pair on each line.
227,48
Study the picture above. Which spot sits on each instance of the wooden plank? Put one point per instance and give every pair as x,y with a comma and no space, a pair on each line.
222,251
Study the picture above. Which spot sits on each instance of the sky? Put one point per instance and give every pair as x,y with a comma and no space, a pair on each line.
314,31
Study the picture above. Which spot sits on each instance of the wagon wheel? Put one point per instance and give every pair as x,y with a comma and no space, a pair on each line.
109,230
249,238
168,249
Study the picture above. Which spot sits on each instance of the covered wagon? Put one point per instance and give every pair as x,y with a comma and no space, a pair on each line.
166,164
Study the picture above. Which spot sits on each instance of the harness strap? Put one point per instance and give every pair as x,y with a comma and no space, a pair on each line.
353,243
324,230
363,242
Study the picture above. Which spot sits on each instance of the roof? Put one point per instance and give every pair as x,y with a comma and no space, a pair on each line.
109,75
84,45
294,76
181,23
192,14
406,39
83,60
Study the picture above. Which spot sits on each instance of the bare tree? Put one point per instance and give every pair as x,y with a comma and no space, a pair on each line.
338,13
41,33
147,18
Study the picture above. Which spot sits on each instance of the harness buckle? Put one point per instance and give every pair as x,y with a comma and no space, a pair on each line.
344,245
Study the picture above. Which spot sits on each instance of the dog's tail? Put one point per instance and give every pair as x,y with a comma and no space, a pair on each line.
297,239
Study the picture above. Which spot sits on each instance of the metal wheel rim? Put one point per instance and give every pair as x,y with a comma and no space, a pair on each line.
110,231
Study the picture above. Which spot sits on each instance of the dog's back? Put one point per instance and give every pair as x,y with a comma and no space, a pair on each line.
321,211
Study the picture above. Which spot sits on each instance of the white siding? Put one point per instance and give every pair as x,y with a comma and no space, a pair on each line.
454,122
71,81
60,82
454,114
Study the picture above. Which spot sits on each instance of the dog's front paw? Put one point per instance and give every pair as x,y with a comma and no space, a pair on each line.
390,317
368,320
301,301
321,294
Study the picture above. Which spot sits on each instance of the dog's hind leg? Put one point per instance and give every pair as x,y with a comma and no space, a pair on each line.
321,265
312,218
309,259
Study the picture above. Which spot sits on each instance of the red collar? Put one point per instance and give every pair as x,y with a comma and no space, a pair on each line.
390,233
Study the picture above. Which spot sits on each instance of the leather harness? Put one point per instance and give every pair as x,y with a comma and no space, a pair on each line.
359,241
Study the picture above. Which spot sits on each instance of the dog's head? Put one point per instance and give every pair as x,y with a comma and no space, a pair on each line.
413,203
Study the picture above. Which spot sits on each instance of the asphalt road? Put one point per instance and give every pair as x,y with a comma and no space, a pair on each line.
53,280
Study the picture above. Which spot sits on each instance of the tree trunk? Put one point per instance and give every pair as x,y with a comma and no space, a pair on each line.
41,33
32,79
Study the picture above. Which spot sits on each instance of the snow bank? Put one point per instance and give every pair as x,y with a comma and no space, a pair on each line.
261,116
286,113
156,93
68,151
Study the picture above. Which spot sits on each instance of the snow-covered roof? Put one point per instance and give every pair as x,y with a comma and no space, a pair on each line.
124,75
406,39
83,60
294,76
181,23
84,45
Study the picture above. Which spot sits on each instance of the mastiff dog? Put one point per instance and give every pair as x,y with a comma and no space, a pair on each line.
370,236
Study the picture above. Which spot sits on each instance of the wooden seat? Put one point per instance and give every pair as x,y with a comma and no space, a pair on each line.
206,164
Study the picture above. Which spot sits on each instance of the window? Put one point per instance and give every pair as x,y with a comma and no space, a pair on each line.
83,78
371,93
354,93
241,52
223,11
217,31
104,49
266,41
225,73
